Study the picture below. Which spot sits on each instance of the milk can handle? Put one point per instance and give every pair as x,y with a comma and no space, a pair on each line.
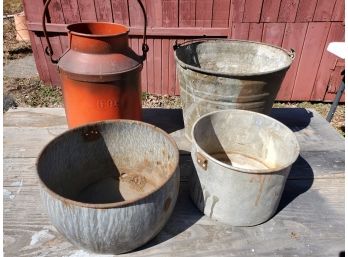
49,50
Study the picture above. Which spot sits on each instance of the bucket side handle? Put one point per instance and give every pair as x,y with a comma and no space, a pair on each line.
49,49
292,54
202,161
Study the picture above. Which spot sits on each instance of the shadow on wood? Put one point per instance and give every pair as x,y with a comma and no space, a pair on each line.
184,216
294,118
293,190
169,120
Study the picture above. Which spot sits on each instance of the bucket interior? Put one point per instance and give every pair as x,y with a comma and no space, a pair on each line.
123,161
247,141
240,58
98,28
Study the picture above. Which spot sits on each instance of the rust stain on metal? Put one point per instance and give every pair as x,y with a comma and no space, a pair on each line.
135,181
167,204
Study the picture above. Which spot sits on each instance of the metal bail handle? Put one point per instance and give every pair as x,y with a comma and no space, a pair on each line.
49,50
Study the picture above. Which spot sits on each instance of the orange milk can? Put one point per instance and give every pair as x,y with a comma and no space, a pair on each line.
99,72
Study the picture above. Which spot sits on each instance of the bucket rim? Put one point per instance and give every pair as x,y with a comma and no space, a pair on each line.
96,35
248,171
120,204
226,74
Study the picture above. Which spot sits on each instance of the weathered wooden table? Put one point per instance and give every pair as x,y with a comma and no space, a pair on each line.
309,222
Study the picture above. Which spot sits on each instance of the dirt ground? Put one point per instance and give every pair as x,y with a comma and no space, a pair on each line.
31,92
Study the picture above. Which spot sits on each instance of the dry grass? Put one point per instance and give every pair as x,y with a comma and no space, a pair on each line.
12,7
13,49
31,92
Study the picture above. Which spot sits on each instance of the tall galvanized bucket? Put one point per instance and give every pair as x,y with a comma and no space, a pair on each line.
242,162
228,74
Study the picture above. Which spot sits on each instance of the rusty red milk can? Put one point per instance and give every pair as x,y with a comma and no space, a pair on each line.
99,72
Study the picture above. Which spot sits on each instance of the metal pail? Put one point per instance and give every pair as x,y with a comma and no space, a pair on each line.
228,74
242,162
110,187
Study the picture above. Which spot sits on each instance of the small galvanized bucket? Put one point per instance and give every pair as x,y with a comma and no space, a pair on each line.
228,74
242,162
110,187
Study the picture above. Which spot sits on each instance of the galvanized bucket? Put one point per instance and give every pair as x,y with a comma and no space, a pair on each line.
242,162
110,187
228,74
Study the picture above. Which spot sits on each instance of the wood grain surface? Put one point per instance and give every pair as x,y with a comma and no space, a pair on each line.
309,220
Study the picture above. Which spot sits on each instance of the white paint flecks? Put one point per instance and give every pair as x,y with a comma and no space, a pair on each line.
81,253
41,237
22,150
17,183
8,194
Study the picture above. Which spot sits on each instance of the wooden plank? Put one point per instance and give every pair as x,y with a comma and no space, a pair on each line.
338,12
334,83
154,13
310,60
323,10
19,172
177,85
187,13
273,33
150,67
120,11
255,32
221,12
172,69
204,13
70,10
103,10
252,10
36,139
237,11
26,141
270,10
35,117
57,52
139,31
240,31
294,37
288,10
136,17
64,42
40,62
310,221
166,51
55,12
87,10
170,13
158,65
328,60
313,132
305,11
33,12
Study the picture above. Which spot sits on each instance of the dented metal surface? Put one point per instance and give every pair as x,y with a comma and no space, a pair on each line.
248,158
113,192
228,74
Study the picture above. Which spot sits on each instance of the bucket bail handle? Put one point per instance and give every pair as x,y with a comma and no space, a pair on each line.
49,49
